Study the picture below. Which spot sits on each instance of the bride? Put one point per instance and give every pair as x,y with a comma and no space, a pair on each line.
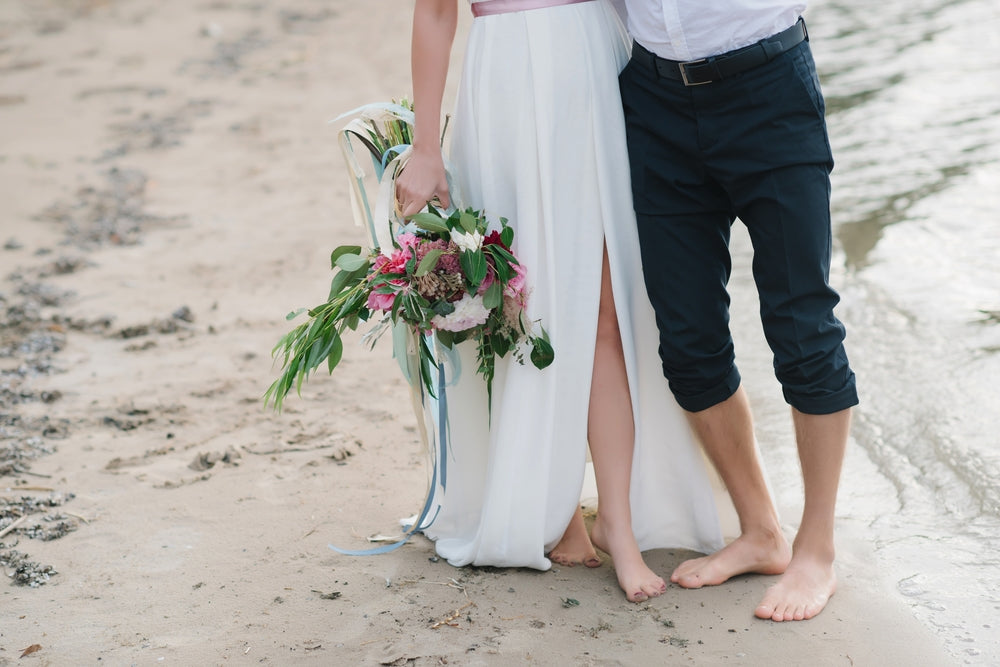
539,139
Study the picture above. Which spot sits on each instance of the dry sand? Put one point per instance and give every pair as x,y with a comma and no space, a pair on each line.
170,188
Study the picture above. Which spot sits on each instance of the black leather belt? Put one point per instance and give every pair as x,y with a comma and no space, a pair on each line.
717,68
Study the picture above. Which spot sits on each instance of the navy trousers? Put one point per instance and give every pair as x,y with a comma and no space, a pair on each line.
753,147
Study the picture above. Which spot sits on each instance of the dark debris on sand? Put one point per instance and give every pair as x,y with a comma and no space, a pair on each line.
114,214
151,132
49,525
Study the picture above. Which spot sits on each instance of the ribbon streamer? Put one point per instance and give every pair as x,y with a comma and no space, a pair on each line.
383,224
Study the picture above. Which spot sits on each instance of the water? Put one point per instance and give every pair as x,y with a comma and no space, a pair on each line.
913,107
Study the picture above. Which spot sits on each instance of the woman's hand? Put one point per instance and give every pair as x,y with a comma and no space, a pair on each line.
422,180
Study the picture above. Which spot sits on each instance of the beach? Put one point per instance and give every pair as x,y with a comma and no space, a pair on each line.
170,188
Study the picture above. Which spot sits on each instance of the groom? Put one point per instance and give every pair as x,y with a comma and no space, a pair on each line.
725,119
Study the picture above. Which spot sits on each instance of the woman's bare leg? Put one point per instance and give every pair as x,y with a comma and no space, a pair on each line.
575,546
611,433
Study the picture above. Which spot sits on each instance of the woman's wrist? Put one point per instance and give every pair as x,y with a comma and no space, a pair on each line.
426,148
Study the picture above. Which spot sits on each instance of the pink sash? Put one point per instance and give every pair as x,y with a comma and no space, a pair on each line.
489,7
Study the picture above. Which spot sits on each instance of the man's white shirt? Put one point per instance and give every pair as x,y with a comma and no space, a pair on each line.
693,29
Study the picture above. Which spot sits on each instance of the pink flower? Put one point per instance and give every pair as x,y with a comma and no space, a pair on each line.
377,301
395,263
448,262
487,281
515,286
407,240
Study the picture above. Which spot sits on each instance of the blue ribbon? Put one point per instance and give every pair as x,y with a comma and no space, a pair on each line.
442,426
441,466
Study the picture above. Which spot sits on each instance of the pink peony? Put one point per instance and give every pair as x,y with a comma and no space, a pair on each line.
487,281
378,301
515,286
407,240
394,263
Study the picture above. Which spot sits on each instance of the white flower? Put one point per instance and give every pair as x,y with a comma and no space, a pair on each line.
469,312
468,242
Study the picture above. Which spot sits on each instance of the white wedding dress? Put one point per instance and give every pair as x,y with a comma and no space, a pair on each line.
539,139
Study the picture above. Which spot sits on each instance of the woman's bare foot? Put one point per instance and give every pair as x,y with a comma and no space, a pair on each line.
763,552
802,592
575,547
635,578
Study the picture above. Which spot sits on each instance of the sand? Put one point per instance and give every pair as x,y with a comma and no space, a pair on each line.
169,189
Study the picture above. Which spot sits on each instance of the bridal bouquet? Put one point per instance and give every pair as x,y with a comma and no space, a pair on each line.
441,278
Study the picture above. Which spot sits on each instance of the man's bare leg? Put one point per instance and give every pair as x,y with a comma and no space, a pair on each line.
611,433
575,547
726,433
809,580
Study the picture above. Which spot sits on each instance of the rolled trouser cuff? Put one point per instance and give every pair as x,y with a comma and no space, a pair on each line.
826,403
706,399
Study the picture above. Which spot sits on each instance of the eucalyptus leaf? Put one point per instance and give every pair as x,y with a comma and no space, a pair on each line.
343,250
350,262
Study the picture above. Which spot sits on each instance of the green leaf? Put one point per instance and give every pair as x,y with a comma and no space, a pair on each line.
429,261
443,308
542,353
493,297
295,313
500,265
343,250
336,353
474,267
502,346
468,221
507,235
426,363
351,262
500,252
429,222
339,284
446,338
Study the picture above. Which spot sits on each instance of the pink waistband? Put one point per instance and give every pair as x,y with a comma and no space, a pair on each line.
489,7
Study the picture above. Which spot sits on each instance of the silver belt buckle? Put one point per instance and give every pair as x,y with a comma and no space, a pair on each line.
684,77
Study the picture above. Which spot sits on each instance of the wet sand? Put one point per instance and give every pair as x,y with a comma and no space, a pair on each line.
169,189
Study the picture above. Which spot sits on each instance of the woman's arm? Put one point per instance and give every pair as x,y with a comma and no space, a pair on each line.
423,178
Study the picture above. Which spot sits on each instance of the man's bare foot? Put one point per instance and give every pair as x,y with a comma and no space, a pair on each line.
575,547
635,578
801,592
763,552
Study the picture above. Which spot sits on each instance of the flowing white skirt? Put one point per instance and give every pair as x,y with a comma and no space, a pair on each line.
539,139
